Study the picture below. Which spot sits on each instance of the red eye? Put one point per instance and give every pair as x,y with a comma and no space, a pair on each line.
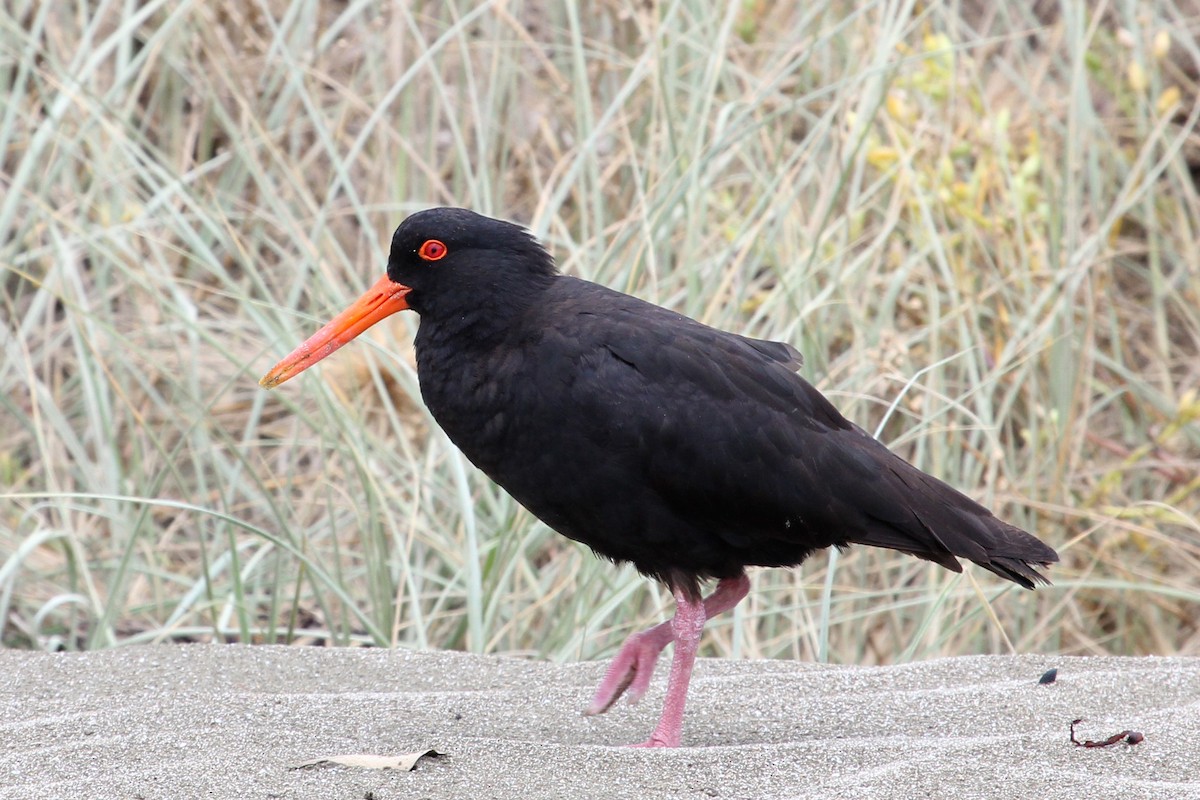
433,250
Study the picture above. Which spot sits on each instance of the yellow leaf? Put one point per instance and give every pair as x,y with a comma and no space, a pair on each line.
898,107
936,41
882,157
1114,233
1162,44
1167,100
1189,406
1136,75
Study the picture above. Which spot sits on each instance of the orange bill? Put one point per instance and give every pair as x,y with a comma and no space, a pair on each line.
383,299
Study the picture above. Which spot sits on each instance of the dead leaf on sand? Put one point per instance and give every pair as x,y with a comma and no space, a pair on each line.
405,763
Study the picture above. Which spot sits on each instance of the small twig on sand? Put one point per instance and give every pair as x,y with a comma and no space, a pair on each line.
1129,737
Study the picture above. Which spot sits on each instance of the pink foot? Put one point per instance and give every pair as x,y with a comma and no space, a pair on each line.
630,671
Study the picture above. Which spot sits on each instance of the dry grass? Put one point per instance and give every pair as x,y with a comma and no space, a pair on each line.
980,227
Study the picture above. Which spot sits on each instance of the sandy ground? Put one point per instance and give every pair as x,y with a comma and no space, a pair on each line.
228,721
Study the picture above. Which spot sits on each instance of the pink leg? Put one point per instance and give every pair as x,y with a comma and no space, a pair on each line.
687,625
630,671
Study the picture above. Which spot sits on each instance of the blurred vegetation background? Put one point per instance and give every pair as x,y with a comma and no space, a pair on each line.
979,223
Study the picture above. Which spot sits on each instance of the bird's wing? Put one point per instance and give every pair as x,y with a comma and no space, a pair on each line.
726,432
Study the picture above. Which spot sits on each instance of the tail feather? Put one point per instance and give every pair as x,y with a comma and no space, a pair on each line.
1019,572
1015,555
931,520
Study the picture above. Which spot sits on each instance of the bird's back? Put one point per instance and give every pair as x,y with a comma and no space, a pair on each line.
689,451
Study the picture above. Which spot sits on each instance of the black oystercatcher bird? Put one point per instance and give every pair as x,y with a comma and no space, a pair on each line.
687,451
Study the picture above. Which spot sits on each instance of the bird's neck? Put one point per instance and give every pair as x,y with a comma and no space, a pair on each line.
474,321
468,366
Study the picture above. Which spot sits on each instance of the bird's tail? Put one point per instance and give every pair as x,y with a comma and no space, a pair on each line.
1006,550
930,519
1013,554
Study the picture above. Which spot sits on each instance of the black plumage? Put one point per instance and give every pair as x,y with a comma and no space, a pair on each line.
690,452
652,438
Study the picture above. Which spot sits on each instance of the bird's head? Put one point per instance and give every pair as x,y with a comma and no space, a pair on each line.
443,262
